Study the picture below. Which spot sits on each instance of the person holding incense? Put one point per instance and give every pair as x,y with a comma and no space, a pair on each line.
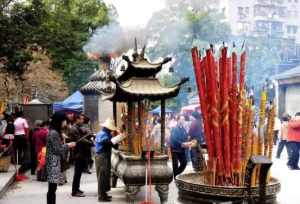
179,143
81,153
104,144
196,135
56,151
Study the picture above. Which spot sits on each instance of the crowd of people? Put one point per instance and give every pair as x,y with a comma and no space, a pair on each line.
50,147
184,138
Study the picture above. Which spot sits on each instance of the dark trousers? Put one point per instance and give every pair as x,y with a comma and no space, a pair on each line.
103,171
281,145
275,137
178,157
198,160
33,162
89,161
51,195
79,167
33,157
20,148
294,148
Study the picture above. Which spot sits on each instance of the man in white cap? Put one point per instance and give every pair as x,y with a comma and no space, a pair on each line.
104,144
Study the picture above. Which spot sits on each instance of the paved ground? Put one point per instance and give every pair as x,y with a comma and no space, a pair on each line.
6,178
33,192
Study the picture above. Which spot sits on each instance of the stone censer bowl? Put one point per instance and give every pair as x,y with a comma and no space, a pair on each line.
132,171
191,187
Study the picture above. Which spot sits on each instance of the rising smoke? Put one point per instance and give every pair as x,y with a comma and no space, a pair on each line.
106,39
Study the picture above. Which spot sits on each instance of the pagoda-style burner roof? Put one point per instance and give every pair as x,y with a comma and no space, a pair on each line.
136,82
144,64
141,67
144,88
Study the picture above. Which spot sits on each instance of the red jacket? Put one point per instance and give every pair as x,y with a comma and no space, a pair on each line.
294,131
40,136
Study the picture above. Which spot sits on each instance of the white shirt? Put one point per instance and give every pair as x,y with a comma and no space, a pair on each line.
277,124
20,126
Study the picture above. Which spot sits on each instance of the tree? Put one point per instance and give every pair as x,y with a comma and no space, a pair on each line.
263,58
181,25
59,26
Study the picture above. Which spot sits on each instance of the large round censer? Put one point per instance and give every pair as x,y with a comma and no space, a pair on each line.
192,188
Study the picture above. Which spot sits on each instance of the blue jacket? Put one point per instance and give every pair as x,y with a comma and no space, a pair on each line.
178,136
103,143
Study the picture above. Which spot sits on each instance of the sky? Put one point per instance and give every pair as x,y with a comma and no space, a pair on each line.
136,13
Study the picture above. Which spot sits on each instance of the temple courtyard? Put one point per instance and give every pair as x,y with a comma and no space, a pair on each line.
33,192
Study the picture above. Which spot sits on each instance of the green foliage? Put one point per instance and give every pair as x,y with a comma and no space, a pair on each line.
180,26
15,31
59,26
263,58
77,72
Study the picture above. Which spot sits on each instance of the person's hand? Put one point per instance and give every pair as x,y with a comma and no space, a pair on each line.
71,144
193,143
185,145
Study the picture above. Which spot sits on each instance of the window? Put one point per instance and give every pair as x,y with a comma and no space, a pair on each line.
292,29
247,10
281,12
277,1
276,27
243,12
262,25
261,10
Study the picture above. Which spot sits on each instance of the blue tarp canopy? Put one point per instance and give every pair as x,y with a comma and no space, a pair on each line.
157,110
72,103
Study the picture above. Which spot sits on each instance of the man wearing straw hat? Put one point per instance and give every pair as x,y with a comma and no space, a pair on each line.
104,144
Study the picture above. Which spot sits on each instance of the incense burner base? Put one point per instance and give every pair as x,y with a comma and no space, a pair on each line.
192,188
132,171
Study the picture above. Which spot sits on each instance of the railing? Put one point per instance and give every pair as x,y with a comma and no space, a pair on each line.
268,2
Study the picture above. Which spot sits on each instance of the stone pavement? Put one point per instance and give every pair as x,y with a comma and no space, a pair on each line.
33,192
6,179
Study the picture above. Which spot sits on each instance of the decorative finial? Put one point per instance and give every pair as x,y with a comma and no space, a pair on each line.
243,45
143,52
135,54
135,46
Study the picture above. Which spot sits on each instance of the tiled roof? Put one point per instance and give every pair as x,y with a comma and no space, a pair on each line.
295,72
99,87
146,86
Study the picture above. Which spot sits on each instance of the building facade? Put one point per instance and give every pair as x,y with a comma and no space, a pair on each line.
276,20
265,17
288,91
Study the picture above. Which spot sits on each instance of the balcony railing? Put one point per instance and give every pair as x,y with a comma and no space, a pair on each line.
269,2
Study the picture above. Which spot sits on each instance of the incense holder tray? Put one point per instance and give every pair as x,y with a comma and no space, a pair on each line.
131,170
192,188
